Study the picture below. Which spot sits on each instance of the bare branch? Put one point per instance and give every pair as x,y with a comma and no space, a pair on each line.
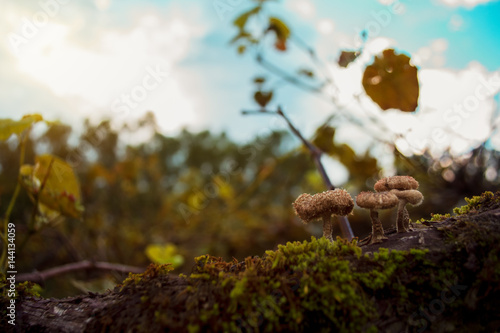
76,266
316,154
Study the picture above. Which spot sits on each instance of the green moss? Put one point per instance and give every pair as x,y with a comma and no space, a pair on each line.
153,270
477,204
439,217
315,280
23,289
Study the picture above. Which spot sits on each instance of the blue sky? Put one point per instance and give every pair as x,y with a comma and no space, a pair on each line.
87,55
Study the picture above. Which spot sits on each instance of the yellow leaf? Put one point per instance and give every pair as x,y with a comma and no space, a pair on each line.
279,27
61,188
241,20
392,82
9,126
226,191
164,254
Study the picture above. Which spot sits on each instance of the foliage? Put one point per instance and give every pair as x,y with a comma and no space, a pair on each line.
54,185
201,192
9,127
51,184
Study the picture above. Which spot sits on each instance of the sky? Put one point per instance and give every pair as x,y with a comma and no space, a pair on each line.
70,60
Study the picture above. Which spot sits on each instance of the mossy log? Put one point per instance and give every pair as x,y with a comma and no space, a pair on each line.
444,276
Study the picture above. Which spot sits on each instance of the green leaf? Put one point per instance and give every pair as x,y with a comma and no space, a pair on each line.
346,57
392,82
9,126
61,188
263,97
241,20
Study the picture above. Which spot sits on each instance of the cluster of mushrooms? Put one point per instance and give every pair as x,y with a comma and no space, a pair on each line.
389,193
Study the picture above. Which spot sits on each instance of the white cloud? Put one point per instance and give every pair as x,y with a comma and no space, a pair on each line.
88,78
325,26
431,56
464,3
102,4
456,23
456,108
305,8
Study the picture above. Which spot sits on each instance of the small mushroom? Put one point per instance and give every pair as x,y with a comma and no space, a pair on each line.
323,206
375,202
412,197
396,184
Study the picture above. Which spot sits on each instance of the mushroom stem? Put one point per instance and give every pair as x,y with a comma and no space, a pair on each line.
377,228
406,221
403,220
327,227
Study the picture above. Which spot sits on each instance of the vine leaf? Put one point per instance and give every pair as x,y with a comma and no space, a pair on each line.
263,97
55,184
241,21
282,32
346,57
392,82
9,127
164,254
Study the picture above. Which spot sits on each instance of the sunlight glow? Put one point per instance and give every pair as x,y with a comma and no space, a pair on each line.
304,8
126,71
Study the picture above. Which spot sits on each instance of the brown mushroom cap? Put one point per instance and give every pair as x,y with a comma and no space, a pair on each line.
380,200
311,207
396,183
412,197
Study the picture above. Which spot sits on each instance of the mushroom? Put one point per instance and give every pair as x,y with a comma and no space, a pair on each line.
375,202
397,184
323,206
412,197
